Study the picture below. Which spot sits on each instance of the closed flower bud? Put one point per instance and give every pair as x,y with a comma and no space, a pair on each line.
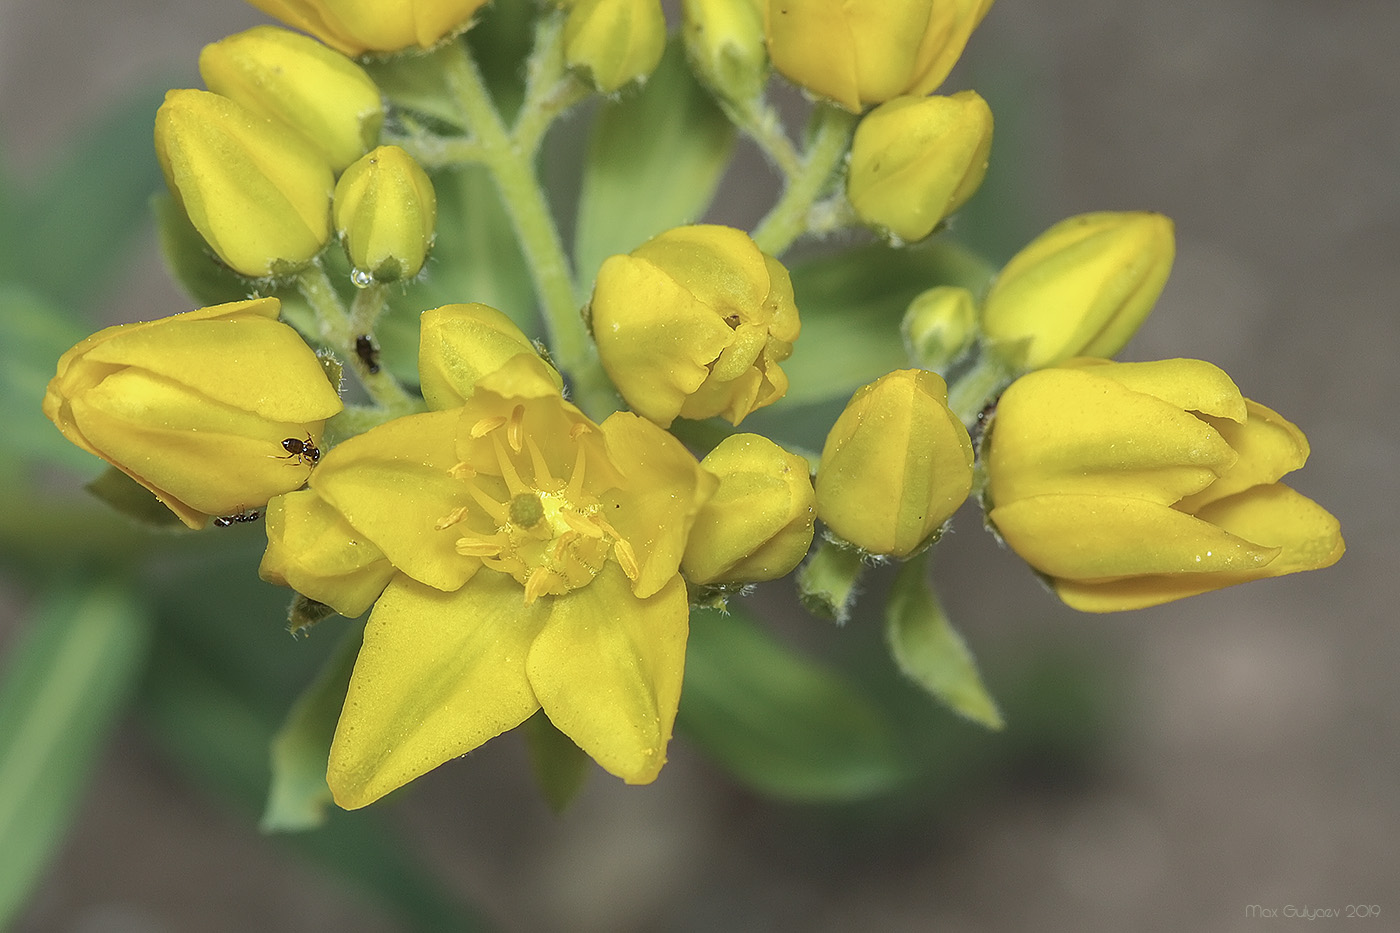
1081,288
315,551
615,41
758,525
693,323
896,465
863,52
939,325
359,26
1133,484
385,212
289,77
724,42
915,160
215,411
254,188
459,344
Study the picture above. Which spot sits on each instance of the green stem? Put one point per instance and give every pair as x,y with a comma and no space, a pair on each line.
338,332
787,220
524,200
758,120
974,389
550,88
434,152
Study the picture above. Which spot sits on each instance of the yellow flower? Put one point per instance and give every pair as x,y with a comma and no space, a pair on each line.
615,41
459,344
896,465
254,188
295,79
359,26
724,42
313,550
536,559
862,52
198,407
1133,484
385,213
759,524
939,325
693,323
915,160
1081,288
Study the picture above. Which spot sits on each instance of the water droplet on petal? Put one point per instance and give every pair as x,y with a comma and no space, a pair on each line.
361,278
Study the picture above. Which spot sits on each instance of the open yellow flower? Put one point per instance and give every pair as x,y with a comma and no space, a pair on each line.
536,557
1134,484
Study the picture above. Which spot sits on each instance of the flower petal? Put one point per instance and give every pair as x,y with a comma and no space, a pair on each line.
1191,385
438,675
1270,447
392,484
607,669
1277,516
1097,538
664,490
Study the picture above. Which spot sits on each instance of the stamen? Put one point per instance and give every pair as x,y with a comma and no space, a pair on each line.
581,525
479,547
627,558
543,478
499,513
512,478
537,584
486,425
578,430
515,433
462,470
575,490
450,519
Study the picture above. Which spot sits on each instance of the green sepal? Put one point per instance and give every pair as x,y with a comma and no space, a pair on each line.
560,766
654,162
782,724
297,796
65,685
930,651
133,500
826,583
852,305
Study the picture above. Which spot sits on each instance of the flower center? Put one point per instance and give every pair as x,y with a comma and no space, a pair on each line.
546,531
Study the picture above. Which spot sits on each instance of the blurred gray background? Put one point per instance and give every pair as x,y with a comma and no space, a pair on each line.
1255,757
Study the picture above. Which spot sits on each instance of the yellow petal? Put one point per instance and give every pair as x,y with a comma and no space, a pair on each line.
313,550
663,491
607,669
392,485
1191,385
438,675
1277,516
1095,538
1269,446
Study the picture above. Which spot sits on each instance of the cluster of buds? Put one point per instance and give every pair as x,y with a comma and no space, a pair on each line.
523,544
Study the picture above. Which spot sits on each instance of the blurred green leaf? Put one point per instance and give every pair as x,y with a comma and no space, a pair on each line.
780,723
189,259
64,687
36,335
71,230
852,304
654,162
560,766
930,651
133,500
298,795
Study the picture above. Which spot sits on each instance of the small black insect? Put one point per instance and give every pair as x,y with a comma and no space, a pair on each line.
305,451
247,515
367,352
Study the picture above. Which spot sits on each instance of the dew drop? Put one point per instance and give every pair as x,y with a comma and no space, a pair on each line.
361,278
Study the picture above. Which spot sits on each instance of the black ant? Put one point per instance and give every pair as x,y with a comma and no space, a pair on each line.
367,352
248,515
304,451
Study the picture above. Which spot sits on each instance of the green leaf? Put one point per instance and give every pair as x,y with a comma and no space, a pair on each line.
70,233
654,162
930,651
298,795
189,260
851,306
560,766
65,685
782,724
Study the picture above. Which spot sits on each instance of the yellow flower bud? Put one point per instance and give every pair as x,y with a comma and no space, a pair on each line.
759,524
315,551
1133,484
862,52
939,325
615,41
693,323
359,26
385,212
459,344
896,464
289,77
215,411
724,42
1081,288
915,160
257,192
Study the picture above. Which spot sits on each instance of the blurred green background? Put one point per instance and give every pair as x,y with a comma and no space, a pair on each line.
1160,770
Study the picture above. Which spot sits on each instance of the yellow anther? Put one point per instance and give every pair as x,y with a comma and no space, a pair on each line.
626,558
452,518
462,470
515,432
486,425
479,547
